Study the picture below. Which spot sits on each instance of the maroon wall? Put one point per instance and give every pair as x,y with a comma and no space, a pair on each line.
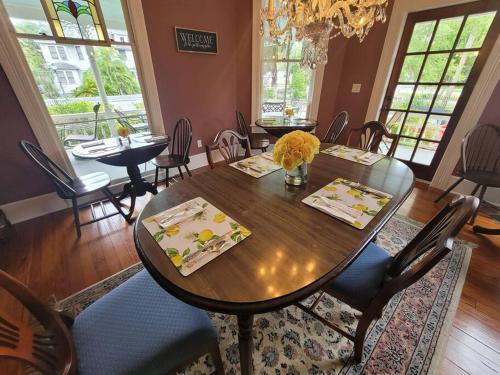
19,178
206,88
351,62
491,113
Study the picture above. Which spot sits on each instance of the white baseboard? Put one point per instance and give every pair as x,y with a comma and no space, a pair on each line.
34,207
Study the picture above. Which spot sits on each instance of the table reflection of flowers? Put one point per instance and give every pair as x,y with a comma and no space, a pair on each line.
293,152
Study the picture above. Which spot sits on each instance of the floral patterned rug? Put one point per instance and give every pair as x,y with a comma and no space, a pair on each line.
409,338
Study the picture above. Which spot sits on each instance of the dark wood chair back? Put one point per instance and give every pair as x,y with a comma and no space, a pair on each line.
228,143
371,135
181,141
481,150
336,127
431,245
58,176
242,125
48,347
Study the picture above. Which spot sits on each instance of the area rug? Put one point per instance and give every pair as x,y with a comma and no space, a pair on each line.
410,337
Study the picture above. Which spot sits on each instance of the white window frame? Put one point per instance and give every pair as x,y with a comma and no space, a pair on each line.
257,60
21,79
480,96
79,53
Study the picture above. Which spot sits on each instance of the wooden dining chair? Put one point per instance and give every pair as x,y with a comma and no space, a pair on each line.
375,276
480,154
228,143
80,138
179,151
255,143
371,135
72,188
137,328
336,128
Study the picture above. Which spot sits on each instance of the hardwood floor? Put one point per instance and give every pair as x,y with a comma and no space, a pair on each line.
46,256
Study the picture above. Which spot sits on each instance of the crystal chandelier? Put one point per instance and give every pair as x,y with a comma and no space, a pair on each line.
314,20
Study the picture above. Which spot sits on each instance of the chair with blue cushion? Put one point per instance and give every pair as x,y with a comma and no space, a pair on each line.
375,276
137,328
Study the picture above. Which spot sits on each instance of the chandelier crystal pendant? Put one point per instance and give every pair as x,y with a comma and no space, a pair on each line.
313,21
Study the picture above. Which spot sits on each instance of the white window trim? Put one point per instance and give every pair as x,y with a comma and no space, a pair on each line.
21,79
480,96
315,88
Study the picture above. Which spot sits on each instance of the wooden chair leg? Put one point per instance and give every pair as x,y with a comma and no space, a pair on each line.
180,172
167,183
217,359
187,170
359,338
481,196
449,189
76,214
156,176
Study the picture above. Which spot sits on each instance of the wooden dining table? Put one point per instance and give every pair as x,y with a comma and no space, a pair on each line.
294,249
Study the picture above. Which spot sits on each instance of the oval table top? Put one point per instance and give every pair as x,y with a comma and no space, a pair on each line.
279,126
294,249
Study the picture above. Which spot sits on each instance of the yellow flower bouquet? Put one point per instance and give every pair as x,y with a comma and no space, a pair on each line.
293,152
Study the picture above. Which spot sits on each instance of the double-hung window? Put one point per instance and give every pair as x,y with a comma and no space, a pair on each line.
284,82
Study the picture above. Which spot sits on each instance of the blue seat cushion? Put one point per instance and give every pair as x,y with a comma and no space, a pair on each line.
138,328
361,281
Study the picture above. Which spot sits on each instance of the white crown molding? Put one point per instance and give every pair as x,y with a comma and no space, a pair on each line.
34,207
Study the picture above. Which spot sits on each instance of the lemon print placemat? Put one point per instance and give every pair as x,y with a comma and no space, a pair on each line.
349,201
258,165
353,154
194,233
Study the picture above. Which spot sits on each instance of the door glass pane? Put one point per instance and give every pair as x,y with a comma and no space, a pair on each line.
435,128
475,30
421,35
394,121
434,67
413,124
411,68
425,152
423,97
460,66
405,148
297,95
402,96
446,33
447,99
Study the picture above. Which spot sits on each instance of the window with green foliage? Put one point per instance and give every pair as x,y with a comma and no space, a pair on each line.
284,81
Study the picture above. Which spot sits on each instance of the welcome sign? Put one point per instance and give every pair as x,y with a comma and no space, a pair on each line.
198,41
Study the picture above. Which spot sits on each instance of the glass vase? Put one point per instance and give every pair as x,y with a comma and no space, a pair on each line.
297,176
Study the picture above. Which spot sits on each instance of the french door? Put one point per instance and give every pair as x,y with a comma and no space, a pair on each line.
440,57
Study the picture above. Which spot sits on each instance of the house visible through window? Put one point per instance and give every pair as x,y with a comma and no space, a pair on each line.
284,82
58,53
65,77
79,52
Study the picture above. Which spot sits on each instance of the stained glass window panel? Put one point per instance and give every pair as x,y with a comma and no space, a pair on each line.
76,19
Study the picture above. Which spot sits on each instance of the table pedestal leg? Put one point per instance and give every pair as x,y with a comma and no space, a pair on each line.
245,343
